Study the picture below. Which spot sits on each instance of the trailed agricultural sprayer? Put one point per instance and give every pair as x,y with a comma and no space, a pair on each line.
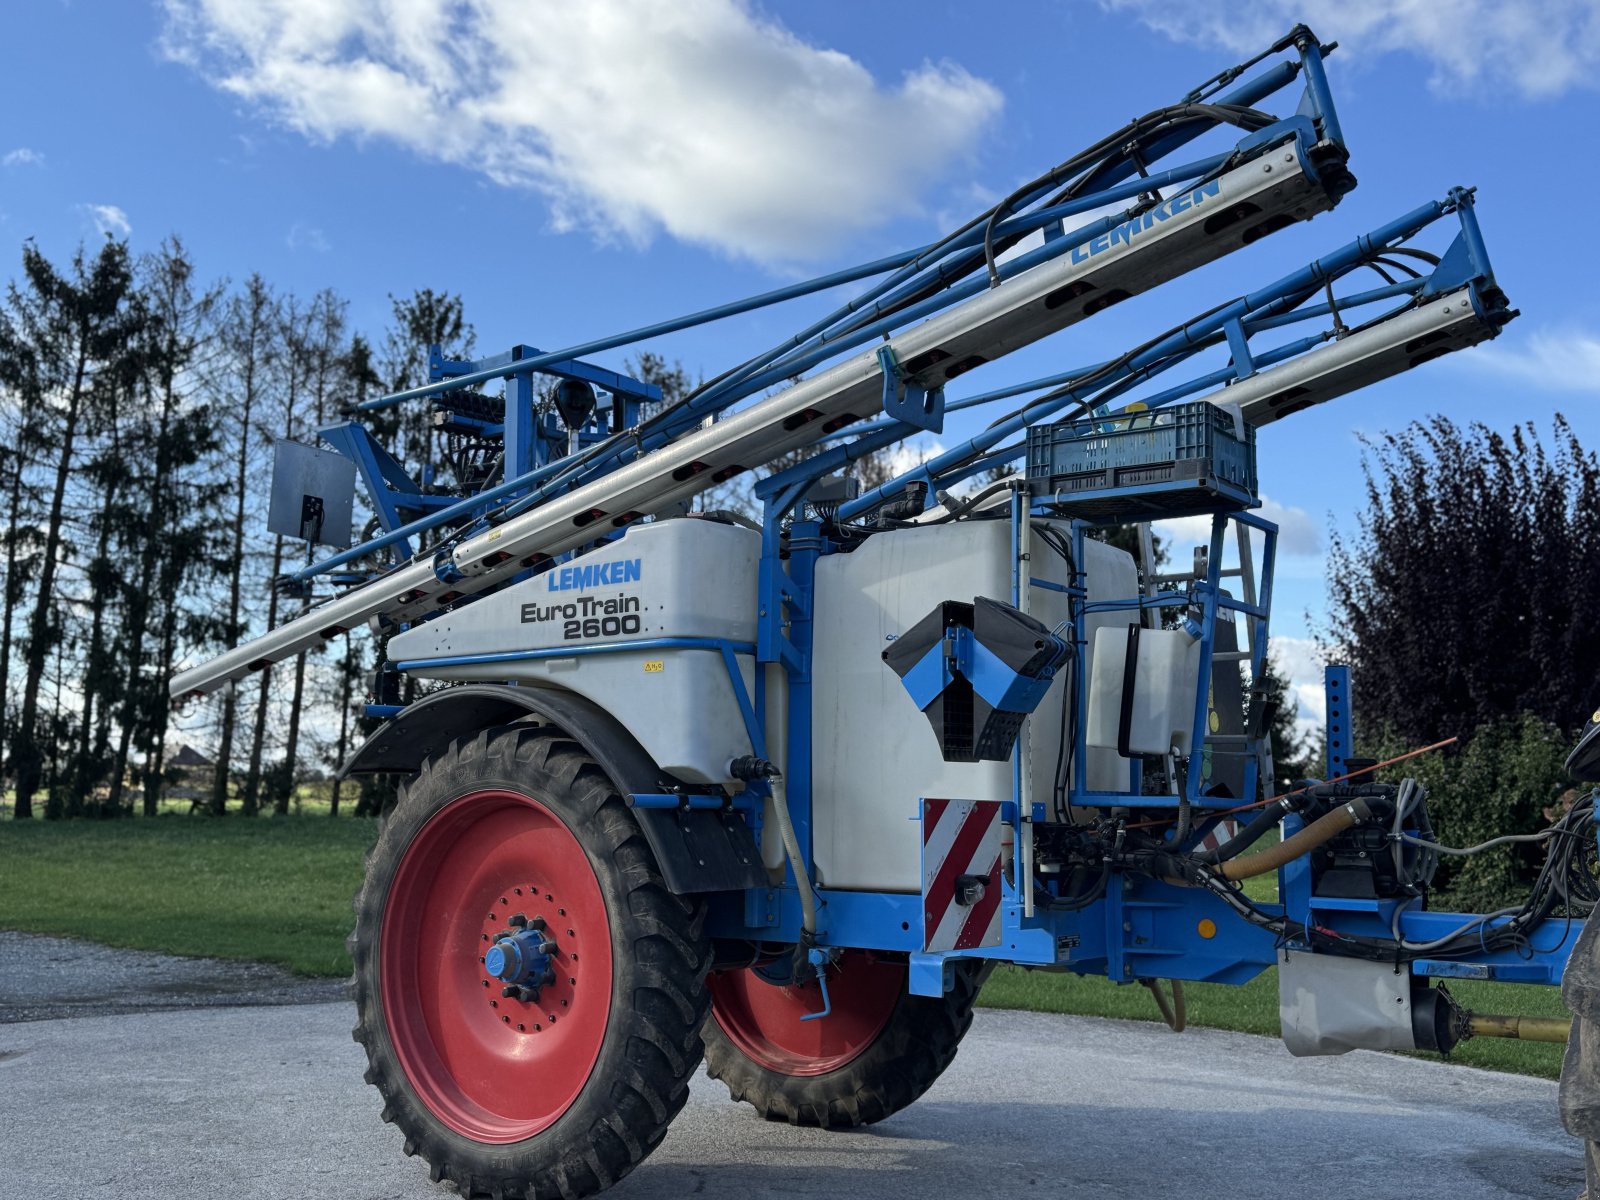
782,791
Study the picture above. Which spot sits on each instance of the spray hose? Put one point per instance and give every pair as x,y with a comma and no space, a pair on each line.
750,768
1323,829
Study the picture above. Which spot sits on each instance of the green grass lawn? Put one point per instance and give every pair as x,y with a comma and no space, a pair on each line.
278,890
273,890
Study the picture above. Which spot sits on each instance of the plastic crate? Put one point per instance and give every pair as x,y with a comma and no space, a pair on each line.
1175,461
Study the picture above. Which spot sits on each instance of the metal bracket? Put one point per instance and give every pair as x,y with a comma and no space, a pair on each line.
1340,735
904,399
1244,365
930,974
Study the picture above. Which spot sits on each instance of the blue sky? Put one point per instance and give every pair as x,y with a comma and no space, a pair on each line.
574,169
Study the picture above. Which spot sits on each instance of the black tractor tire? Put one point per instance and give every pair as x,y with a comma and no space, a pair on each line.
657,1002
916,1044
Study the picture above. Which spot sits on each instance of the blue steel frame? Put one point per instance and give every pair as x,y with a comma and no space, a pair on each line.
1141,928
531,440
1131,934
1212,601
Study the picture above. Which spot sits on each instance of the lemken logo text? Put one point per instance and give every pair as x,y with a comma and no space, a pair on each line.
568,579
1164,211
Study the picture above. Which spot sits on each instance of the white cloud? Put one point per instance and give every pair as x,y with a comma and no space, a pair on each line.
307,237
22,157
1301,663
702,118
1540,49
1182,535
108,219
1548,359
1298,535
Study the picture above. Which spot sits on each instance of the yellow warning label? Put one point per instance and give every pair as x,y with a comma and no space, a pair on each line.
654,666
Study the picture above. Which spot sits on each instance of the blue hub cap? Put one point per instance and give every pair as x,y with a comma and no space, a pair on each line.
520,958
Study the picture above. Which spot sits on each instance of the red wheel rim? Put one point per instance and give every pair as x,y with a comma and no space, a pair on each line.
763,1020
491,1068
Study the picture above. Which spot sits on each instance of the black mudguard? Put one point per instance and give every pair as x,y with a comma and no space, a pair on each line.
701,850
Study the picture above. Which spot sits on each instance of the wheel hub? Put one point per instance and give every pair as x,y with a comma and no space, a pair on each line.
521,958
522,965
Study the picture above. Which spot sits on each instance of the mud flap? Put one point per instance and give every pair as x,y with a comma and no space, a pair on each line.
702,850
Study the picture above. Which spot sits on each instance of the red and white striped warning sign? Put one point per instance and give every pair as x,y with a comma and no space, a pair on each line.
1223,831
960,874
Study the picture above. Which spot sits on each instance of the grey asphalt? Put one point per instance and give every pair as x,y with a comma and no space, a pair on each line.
46,977
267,1102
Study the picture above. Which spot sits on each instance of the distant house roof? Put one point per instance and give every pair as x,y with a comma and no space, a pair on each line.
188,757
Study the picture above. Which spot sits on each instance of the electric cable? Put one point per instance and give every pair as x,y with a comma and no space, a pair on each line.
1505,839
1124,141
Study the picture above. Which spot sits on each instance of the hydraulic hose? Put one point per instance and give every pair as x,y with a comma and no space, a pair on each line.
1251,833
750,768
1323,829
1176,1012
1185,821
955,509
791,848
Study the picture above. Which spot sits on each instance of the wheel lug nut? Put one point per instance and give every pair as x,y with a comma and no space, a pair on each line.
519,921
510,991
